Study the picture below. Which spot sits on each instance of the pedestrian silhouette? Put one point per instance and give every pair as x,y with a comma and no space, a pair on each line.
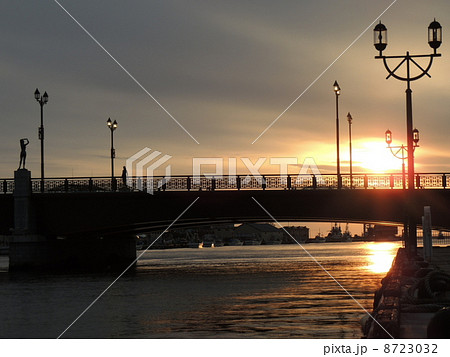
23,151
124,176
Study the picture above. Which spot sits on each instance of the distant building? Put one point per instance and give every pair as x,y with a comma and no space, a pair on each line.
300,234
382,233
264,232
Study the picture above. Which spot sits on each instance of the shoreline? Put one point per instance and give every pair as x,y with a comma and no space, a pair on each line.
412,292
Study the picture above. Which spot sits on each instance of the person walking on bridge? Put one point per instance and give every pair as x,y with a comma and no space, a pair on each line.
124,176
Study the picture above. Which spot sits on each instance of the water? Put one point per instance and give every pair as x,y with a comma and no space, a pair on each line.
225,292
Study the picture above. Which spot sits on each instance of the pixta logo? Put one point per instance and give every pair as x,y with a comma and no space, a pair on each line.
309,167
147,160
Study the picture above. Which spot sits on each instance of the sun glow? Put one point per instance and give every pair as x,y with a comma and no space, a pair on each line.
374,156
381,256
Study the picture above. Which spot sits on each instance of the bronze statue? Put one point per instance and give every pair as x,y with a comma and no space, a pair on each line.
23,151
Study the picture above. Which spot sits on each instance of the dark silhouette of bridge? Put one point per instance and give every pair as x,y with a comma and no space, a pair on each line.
112,213
91,208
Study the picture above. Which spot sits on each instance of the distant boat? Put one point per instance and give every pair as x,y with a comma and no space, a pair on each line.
347,236
318,239
336,235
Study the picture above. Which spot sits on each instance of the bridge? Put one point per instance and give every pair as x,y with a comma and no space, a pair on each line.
233,182
95,214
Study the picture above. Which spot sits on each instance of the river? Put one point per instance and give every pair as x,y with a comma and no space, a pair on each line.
226,292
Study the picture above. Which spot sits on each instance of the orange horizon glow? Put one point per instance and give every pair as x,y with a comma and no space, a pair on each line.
371,155
374,156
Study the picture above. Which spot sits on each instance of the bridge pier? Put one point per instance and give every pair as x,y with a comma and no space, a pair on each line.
31,250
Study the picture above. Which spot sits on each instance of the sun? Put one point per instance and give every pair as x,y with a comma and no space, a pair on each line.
374,156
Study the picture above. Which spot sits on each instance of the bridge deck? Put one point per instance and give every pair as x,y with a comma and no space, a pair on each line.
232,182
115,212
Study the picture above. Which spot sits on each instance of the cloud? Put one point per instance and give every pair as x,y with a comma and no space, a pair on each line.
225,70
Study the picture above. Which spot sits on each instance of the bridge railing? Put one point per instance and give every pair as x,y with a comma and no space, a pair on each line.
228,182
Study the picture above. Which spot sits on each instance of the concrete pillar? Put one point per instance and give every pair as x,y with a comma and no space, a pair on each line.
26,248
23,221
427,237
34,250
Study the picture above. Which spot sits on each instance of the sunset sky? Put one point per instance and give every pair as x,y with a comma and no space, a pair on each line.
224,70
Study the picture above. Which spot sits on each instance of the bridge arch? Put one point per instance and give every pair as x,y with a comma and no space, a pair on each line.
109,213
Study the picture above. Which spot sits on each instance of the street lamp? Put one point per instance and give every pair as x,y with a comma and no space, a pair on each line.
337,91
400,151
380,43
435,35
380,37
112,126
350,119
42,100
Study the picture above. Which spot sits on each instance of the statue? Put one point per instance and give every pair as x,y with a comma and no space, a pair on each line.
23,151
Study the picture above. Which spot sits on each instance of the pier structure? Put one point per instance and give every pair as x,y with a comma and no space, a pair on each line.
414,299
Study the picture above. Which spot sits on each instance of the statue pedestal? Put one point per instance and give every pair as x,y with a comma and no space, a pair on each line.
33,248
23,222
27,248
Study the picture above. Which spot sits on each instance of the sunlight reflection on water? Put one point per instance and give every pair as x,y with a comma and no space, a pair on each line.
381,256
225,292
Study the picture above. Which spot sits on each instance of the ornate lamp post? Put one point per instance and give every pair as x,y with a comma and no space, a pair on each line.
337,91
350,120
42,100
112,126
380,43
400,151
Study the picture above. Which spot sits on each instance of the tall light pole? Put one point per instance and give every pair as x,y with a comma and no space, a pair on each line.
350,119
112,126
380,43
42,100
337,91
